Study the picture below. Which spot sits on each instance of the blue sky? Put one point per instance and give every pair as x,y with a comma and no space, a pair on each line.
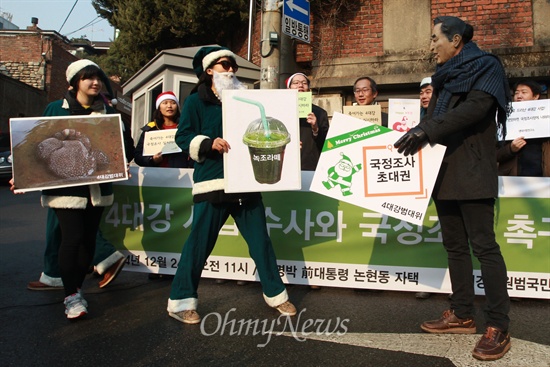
52,13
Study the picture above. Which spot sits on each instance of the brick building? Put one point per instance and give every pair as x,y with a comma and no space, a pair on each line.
388,40
32,65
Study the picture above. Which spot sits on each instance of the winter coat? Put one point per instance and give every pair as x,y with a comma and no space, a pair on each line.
174,160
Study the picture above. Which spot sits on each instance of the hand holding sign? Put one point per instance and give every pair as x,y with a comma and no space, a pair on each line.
411,141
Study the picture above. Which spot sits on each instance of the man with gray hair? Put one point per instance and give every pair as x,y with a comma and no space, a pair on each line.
470,87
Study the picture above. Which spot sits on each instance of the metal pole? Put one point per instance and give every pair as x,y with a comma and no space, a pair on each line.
250,14
271,22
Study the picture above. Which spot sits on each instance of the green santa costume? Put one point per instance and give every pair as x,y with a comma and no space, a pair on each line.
200,124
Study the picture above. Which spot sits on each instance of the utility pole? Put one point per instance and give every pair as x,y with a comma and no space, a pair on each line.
269,45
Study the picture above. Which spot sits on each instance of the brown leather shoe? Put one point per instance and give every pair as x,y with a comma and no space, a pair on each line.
493,345
450,324
112,272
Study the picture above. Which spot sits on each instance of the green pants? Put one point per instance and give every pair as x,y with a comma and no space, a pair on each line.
103,248
208,219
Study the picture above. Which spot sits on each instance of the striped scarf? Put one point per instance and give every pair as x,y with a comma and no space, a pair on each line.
472,69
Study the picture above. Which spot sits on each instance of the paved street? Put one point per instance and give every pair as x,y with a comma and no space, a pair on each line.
128,324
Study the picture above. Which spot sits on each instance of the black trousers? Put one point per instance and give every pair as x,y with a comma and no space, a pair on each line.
465,224
78,234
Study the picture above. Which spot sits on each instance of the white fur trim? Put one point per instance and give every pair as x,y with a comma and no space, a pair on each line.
213,56
97,199
52,282
208,186
277,300
65,202
194,148
65,104
106,264
178,305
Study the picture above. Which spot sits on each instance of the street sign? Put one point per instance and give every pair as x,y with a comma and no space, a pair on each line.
296,19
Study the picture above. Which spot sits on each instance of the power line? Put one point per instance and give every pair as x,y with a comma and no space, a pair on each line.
68,15
92,22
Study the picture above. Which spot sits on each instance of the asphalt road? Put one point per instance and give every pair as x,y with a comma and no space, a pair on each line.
128,324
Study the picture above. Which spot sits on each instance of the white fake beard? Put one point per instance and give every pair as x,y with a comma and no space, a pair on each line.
226,80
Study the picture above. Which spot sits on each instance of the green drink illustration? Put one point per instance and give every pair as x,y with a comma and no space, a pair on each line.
266,139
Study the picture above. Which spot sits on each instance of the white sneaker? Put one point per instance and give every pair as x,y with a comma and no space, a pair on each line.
74,307
84,302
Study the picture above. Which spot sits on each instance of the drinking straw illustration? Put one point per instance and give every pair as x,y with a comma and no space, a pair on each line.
262,112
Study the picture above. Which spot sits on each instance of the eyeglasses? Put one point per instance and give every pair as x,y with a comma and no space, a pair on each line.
299,82
364,90
226,65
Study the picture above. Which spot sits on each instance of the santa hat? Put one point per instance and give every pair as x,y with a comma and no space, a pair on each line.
289,80
345,159
167,95
207,55
76,66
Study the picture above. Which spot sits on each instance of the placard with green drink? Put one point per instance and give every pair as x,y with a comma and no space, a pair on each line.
261,126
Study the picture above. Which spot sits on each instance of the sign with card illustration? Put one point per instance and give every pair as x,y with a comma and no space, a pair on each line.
403,114
359,165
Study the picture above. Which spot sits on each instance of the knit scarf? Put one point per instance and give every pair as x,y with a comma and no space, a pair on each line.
76,108
472,69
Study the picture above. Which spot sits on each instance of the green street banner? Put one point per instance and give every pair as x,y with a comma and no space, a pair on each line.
323,241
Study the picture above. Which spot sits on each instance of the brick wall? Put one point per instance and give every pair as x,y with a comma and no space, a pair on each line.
24,61
497,24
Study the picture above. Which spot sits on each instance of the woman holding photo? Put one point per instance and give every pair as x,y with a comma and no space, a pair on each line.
79,208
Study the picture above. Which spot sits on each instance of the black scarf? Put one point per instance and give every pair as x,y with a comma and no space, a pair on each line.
76,108
472,69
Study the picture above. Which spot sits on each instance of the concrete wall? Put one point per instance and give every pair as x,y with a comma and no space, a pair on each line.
18,99
406,25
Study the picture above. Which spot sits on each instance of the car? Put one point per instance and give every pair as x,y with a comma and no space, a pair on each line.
5,165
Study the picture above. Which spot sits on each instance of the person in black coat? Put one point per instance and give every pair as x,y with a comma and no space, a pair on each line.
313,128
470,87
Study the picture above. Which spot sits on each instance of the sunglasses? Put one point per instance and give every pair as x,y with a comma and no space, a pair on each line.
226,65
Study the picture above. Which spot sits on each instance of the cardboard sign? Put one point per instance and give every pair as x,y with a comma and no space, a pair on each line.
371,113
54,152
160,141
359,165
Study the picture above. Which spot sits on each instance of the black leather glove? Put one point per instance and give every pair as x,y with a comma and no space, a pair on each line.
411,141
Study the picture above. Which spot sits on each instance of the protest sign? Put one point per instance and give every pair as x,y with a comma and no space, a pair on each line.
359,165
530,119
160,141
371,113
403,114
261,126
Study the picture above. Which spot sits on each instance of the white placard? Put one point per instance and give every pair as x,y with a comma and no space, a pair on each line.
530,119
160,141
403,114
249,165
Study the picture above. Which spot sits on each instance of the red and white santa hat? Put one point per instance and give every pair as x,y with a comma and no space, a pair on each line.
289,79
167,95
